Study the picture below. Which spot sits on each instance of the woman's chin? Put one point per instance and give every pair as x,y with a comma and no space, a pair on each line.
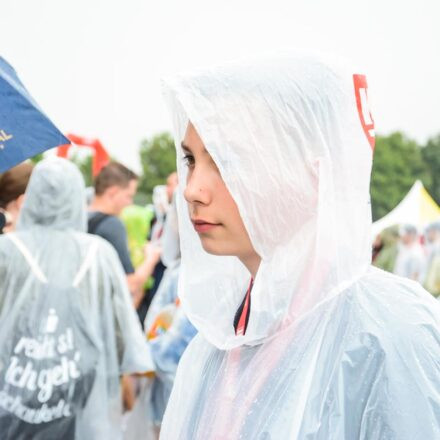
213,247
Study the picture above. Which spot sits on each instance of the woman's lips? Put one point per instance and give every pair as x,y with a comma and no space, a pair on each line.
203,226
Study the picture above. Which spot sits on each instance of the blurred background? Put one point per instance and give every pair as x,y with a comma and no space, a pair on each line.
95,68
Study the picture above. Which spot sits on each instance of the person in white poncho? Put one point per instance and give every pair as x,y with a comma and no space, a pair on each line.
409,259
299,337
68,330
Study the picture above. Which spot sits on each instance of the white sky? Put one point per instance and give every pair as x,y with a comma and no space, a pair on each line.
94,66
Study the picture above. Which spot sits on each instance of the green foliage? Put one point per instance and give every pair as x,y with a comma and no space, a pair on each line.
431,157
141,198
397,164
37,158
158,160
84,163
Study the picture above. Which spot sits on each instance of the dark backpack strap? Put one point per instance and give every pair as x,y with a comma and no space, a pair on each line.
95,221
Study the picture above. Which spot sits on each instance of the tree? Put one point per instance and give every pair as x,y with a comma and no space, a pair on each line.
397,165
84,164
158,160
37,158
431,157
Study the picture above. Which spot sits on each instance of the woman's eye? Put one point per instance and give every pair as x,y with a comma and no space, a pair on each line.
189,160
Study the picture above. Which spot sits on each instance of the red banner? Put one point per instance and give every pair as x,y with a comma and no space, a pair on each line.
100,157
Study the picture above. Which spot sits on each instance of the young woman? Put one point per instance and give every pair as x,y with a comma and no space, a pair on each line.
299,337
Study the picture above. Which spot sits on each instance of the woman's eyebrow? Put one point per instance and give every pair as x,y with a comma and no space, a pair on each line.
185,147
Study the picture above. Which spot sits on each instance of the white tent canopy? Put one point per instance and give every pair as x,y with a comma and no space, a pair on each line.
417,208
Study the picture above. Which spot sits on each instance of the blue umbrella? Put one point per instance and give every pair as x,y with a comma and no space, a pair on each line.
24,129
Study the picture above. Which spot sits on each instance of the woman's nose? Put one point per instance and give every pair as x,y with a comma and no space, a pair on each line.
196,191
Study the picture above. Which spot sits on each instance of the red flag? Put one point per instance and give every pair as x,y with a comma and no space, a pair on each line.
100,157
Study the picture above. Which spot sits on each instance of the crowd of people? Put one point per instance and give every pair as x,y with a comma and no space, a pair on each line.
252,276
133,267
402,250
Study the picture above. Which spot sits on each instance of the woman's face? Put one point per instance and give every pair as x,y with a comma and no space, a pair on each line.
212,209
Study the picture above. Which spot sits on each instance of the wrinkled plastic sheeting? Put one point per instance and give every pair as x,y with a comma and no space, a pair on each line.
370,370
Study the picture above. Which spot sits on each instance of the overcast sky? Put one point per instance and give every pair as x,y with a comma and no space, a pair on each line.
94,66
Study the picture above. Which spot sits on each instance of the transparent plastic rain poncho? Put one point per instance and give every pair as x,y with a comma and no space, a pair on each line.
169,332
167,346
101,321
334,348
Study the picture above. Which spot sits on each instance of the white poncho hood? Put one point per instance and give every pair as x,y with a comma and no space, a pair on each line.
293,140
55,198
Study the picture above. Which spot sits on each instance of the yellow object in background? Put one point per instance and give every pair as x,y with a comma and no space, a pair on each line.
137,221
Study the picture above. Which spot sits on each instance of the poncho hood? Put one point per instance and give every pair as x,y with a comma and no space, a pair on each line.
55,197
293,139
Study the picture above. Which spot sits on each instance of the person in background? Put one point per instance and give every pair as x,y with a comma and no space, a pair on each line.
386,257
115,187
432,238
431,278
169,332
137,221
90,195
66,318
13,185
162,200
172,182
160,205
409,260
377,247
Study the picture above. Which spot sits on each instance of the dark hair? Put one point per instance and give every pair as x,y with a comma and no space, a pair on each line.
114,174
13,182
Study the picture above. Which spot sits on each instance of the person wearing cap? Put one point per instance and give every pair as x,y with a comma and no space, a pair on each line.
13,185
